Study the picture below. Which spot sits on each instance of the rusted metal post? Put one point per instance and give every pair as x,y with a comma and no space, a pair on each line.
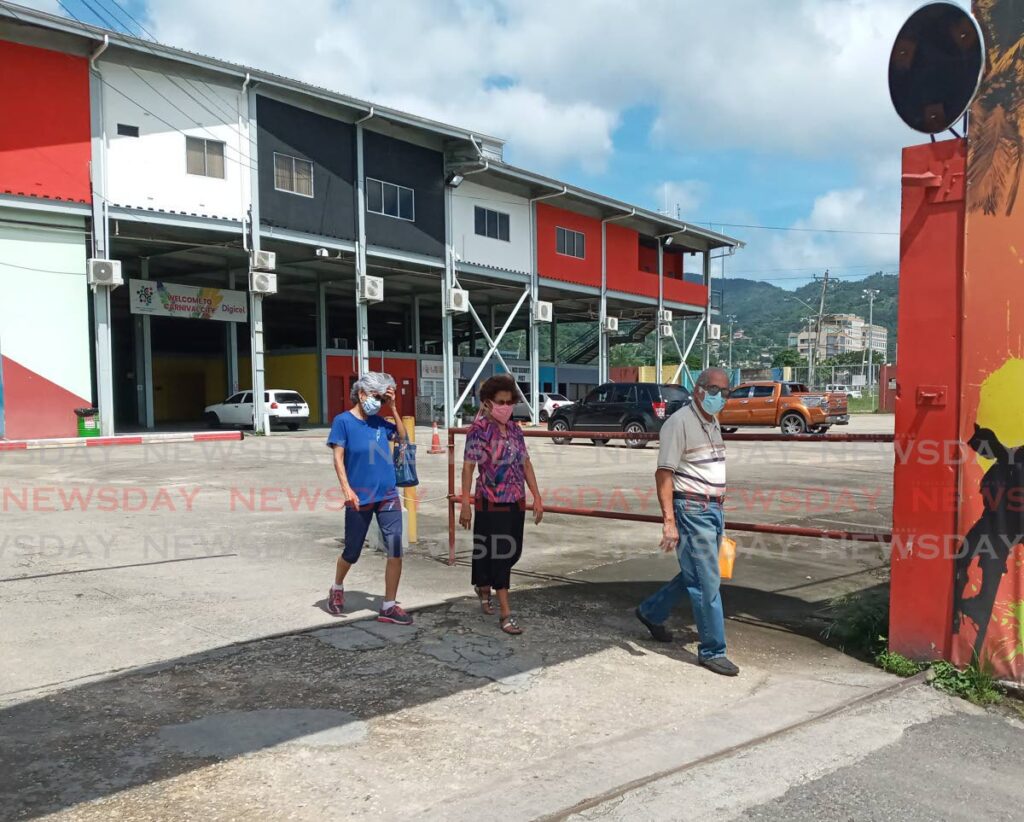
451,496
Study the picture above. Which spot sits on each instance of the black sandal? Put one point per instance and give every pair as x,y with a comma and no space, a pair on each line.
510,625
486,605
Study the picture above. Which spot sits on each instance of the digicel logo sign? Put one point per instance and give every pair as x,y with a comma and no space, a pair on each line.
232,309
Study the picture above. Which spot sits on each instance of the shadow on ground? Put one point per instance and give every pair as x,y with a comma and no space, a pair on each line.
153,724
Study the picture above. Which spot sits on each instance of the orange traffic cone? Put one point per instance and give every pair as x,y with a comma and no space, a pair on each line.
435,442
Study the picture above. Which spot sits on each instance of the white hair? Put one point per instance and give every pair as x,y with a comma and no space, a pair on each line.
372,382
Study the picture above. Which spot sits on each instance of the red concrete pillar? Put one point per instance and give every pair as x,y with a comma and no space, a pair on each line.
927,398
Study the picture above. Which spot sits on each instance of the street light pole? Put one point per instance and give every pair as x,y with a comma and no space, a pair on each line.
871,293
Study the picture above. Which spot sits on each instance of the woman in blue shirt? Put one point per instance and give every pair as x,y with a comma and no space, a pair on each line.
362,459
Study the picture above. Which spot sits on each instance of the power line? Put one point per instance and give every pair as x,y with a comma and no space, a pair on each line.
808,230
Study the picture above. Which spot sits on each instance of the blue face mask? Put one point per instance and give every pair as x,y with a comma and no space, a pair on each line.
712,404
371,405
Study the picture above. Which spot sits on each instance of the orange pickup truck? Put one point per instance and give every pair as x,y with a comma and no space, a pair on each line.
791,406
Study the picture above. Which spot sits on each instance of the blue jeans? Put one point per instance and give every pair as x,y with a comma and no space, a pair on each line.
700,532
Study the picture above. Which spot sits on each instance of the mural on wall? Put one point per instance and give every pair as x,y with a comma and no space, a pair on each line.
988,619
997,116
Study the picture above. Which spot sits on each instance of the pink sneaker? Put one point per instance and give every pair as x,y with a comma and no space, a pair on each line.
336,601
395,615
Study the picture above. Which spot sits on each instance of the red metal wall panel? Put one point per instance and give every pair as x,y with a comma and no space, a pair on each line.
684,292
341,373
44,127
927,398
559,266
34,407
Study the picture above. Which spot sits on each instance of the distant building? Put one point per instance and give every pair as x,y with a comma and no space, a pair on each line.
840,334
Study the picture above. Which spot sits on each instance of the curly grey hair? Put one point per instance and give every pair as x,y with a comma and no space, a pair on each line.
372,382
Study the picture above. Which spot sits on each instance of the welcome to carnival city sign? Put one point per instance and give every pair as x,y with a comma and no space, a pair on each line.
160,299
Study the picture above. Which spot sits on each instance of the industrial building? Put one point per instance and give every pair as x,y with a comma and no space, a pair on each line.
840,334
395,243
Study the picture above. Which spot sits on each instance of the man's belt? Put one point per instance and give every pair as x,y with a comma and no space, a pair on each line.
702,498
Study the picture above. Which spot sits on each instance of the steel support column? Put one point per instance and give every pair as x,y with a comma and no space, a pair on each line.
707,310
101,249
658,354
604,345
417,342
447,323
144,360
232,339
260,424
321,344
362,319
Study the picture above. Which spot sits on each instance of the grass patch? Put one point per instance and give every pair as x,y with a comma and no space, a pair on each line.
859,622
897,664
864,405
973,683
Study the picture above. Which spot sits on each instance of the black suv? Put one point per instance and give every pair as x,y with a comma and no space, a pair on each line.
630,407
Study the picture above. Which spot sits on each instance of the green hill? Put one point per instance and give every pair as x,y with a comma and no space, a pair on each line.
767,313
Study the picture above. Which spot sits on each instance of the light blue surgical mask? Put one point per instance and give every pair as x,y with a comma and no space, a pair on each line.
712,404
371,405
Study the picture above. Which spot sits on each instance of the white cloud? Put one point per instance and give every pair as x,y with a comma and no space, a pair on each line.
802,77
791,258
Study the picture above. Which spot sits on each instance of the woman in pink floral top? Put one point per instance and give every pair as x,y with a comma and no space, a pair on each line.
496,447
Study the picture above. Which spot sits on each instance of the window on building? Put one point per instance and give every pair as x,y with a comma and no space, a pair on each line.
293,174
570,243
125,130
204,157
493,224
390,200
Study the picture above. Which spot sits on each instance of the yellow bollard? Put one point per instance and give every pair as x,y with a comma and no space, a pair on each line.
410,492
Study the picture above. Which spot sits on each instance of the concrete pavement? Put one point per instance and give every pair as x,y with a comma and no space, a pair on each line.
167,654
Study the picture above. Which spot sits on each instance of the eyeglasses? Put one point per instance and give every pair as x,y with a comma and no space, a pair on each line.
714,391
503,402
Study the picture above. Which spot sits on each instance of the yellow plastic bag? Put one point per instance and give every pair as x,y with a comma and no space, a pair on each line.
726,557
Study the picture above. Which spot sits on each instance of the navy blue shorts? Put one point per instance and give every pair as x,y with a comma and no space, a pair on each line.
357,523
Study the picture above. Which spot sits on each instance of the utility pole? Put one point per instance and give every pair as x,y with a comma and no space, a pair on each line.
732,319
869,349
817,331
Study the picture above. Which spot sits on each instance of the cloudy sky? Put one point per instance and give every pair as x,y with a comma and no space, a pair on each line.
751,112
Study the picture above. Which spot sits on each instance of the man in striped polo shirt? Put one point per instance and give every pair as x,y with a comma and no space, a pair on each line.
691,489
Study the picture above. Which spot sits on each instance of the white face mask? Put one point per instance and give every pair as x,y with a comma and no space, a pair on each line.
371,405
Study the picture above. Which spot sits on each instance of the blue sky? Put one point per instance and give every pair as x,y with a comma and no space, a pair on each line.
742,111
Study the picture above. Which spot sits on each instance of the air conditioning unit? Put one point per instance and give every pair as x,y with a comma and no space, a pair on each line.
264,261
665,316
714,332
665,331
371,289
542,312
262,282
611,324
104,272
457,301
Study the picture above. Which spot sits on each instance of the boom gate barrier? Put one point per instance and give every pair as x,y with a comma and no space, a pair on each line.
788,530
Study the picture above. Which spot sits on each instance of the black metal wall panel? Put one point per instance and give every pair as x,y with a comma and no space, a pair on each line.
415,167
330,145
